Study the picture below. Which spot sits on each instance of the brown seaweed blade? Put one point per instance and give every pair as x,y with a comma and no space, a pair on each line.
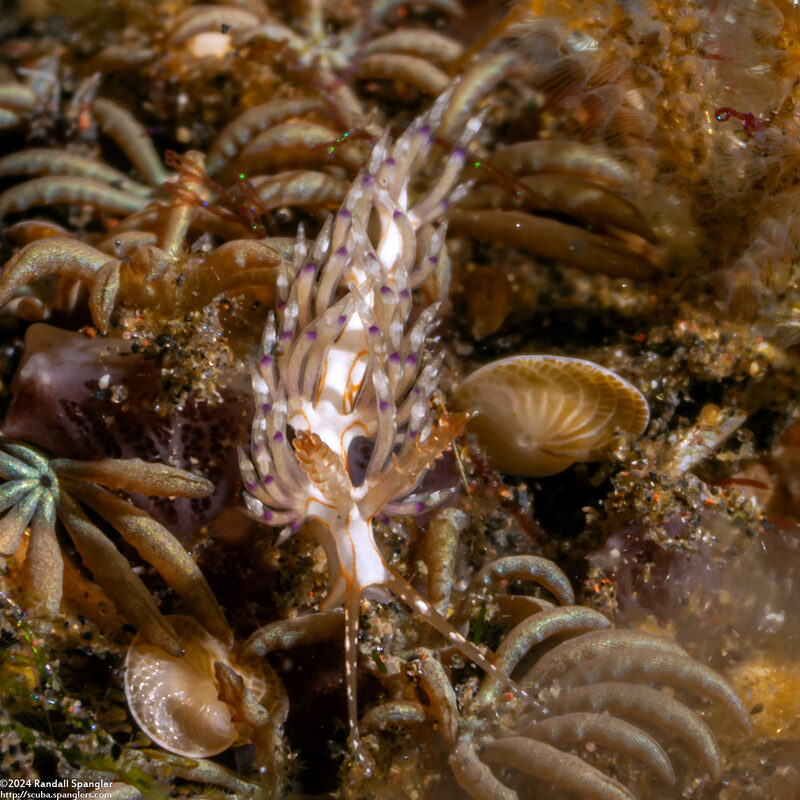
531,568
423,43
236,134
56,254
563,158
295,144
556,241
15,521
434,681
393,714
565,655
134,475
17,97
659,667
648,705
442,536
157,546
536,629
474,777
44,568
589,203
114,575
539,627
300,188
132,137
583,727
406,68
475,83
69,189
552,765
288,633
50,161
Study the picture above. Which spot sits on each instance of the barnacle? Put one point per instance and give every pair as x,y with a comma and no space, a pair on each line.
39,491
536,415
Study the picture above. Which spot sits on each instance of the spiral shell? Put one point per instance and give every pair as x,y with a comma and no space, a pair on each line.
175,700
537,415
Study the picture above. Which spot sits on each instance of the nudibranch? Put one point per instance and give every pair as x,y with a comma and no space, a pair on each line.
341,360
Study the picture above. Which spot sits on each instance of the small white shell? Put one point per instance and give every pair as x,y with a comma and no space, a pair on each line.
537,415
175,700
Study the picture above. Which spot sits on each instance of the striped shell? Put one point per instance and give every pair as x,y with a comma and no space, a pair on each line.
537,415
175,700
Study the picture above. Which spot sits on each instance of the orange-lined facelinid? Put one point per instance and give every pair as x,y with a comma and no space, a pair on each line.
363,370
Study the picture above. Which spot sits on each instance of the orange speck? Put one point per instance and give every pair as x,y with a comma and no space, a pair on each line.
84,121
656,497
640,337
508,696
89,331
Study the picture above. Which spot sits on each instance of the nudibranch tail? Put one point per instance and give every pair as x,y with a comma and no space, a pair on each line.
342,363
405,592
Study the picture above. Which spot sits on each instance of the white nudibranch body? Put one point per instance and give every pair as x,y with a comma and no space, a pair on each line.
341,360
